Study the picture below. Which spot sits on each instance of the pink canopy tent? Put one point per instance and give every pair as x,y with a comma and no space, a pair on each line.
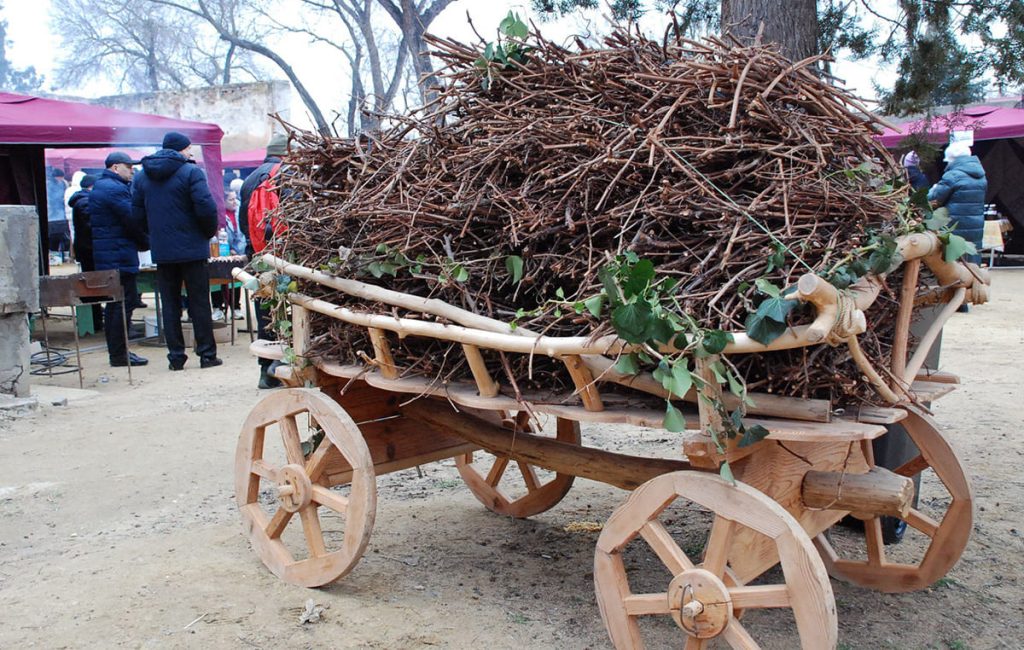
71,160
987,122
52,123
244,159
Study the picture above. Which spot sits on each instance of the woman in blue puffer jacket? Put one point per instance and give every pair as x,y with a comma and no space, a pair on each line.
962,191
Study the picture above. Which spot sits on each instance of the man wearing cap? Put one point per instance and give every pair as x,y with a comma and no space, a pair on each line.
117,238
172,197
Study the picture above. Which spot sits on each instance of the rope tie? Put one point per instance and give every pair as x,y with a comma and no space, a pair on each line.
845,324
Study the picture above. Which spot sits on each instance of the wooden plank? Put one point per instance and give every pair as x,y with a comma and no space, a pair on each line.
399,443
938,376
584,382
382,353
626,472
929,391
484,382
880,415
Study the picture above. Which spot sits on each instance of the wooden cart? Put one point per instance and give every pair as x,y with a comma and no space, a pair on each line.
814,468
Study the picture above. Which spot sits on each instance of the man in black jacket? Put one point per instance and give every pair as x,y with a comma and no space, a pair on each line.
172,197
79,203
117,238
276,148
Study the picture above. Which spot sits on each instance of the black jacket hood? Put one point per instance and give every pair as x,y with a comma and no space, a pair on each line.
80,195
163,164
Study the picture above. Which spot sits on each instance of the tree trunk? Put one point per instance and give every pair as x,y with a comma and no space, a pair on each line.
794,28
227,64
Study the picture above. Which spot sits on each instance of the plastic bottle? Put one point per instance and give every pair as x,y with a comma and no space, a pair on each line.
222,239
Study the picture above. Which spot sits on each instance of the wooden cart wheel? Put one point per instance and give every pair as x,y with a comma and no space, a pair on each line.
297,483
948,537
702,598
519,493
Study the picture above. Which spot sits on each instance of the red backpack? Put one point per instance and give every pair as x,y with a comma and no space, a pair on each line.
262,202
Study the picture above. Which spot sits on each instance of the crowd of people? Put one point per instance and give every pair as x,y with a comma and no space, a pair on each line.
163,205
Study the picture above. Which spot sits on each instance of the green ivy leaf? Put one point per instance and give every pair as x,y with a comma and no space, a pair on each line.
735,387
594,304
752,434
460,273
607,277
767,288
777,259
638,277
956,247
560,293
674,420
682,379
726,472
632,321
680,342
627,364
662,330
938,220
514,265
714,341
769,321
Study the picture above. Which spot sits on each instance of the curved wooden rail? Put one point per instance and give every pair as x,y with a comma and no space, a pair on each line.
839,318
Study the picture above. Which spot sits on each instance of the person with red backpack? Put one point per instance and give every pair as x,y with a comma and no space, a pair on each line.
259,196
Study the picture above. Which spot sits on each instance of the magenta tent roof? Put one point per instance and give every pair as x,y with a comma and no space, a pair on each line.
35,120
987,122
250,158
54,123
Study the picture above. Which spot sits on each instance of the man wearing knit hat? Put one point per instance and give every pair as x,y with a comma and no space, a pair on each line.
172,196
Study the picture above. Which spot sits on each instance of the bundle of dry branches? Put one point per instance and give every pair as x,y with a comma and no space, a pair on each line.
720,164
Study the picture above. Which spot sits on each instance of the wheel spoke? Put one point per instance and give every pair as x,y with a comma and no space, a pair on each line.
922,522
278,522
529,476
913,466
693,643
647,604
317,462
290,438
658,538
716,553
263,470
873,536
738,637
332,500
760,596
311,528
497,470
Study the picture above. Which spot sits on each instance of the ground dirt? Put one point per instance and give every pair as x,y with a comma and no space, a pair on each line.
118,528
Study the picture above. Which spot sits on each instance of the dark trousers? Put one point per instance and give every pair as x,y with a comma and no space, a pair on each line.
114,325
263,330
193,276
84,257
59,236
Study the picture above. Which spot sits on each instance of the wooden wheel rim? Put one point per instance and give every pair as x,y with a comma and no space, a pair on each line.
948,536
359,508
807,590
539,498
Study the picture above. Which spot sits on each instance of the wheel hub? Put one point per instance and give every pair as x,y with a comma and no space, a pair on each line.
294,489
700,604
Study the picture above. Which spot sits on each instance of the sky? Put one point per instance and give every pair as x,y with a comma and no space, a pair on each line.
31,31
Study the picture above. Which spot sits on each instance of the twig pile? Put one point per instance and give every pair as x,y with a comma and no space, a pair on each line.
704,158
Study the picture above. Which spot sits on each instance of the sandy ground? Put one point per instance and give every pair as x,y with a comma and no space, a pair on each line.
118,529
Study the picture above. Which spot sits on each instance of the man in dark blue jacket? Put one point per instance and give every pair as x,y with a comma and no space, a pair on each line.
117,238
172,197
